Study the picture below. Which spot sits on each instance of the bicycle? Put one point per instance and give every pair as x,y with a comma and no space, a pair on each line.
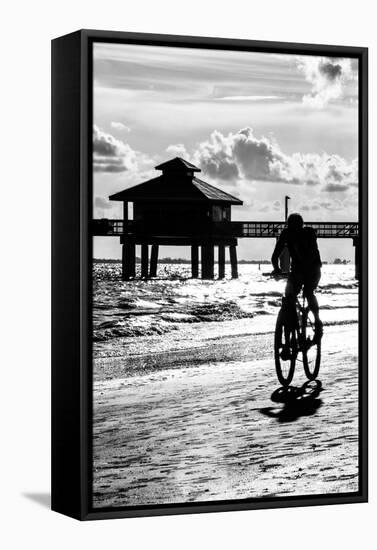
295,334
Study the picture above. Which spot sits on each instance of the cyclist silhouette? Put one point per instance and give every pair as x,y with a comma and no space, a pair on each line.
305,270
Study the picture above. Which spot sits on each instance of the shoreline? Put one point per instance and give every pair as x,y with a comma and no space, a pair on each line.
232,347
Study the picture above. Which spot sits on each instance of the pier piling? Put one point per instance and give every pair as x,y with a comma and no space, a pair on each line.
128,260
356,244
144,261
221,261
194,261
208,261
154,261
233,261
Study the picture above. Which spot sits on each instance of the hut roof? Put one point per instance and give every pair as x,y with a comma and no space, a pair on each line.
175,185
177,163
214,193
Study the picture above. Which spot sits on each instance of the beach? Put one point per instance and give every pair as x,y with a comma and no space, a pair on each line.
189,415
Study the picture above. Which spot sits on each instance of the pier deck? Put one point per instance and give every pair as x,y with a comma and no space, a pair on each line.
236,229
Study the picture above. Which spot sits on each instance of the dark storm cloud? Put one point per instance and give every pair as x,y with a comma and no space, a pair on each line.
330,70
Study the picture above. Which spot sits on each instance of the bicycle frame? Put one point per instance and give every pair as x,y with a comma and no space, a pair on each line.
292,324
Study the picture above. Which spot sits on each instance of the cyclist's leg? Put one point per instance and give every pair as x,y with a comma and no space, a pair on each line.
313,304
310,284
292,288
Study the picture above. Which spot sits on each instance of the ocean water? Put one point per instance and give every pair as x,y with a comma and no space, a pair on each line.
174,312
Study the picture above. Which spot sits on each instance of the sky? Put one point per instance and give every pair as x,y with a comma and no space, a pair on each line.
259,125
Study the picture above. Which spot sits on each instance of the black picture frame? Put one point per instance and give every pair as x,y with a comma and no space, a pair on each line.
71,272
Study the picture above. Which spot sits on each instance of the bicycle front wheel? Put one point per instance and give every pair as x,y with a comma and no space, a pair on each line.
311,346
285,350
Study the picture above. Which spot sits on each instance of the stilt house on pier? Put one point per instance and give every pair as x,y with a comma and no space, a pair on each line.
178,209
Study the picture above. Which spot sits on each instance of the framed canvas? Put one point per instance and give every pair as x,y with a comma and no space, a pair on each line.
209,274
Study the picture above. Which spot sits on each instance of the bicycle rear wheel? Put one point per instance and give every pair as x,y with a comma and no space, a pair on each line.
285,338
311,346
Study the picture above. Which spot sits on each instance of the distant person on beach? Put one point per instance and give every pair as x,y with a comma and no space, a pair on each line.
305,270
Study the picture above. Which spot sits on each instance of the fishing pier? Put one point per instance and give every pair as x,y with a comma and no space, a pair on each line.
179,209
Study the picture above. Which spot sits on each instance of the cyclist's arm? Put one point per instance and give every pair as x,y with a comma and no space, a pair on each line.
314,246
278,250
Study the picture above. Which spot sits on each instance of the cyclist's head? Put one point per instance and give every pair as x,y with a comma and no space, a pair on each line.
295,222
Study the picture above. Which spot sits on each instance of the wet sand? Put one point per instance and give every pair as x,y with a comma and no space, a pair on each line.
176,430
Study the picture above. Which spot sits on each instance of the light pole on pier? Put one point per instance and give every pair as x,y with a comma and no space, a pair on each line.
286,206
284,258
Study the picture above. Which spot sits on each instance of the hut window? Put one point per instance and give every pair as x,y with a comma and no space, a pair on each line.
217,213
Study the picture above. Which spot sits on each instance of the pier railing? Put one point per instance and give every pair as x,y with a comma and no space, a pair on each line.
237,229
324,230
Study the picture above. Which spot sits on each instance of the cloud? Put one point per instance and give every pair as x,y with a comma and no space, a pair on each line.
327,77
102,203
338,187
120,126
318,204
248,97
178,150
243,156
341,175
111,154
216,157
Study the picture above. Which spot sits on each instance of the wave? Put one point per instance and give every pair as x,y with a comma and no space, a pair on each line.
157,323
340,323
219,311
131,309
129,332
109,331
333,286
335,307
272,293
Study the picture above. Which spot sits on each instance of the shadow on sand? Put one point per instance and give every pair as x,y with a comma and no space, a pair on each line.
296,401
